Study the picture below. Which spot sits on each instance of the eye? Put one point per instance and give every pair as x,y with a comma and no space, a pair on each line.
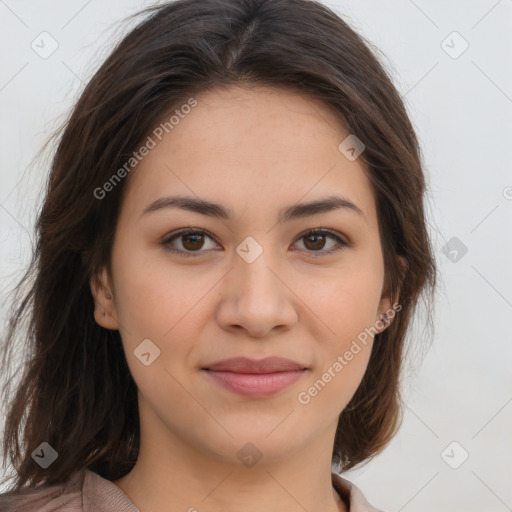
190,239
315,240
193,240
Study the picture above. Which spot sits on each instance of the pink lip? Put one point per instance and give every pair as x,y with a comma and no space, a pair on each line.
255,384
255,378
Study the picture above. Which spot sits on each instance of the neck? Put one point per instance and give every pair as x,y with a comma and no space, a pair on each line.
172,475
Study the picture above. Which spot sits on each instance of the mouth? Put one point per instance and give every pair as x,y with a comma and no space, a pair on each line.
255,378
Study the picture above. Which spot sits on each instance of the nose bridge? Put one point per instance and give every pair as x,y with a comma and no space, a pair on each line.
255,266
256,297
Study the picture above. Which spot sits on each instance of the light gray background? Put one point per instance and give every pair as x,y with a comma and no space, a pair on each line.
461,107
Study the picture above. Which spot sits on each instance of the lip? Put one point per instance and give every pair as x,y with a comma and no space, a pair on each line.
255,378
246,365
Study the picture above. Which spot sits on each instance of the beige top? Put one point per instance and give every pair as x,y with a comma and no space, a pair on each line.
88,492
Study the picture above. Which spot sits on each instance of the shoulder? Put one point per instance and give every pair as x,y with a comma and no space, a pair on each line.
65,497
85,491
352,495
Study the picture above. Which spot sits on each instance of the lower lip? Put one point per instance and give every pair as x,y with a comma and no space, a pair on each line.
256,384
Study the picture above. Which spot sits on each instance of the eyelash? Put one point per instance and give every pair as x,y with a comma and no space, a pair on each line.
317,231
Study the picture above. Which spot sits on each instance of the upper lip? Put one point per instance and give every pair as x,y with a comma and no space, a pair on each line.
246,365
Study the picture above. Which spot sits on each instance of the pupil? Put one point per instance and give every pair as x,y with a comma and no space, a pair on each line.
188,237
318,237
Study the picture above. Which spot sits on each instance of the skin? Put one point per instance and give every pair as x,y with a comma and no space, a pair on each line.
255,151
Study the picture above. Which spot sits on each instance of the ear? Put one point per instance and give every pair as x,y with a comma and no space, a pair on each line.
104,311
386,311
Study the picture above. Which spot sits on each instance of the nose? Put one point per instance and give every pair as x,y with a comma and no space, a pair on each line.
256,297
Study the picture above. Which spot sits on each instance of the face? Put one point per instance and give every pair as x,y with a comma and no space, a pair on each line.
252,281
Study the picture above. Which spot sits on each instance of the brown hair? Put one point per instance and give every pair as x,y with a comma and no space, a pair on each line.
76,391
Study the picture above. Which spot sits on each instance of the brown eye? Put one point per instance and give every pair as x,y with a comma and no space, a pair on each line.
192,241
315,241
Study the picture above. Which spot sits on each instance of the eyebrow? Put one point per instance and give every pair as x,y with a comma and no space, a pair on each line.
210,209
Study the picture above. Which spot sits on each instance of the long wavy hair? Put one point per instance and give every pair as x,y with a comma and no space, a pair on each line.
73,388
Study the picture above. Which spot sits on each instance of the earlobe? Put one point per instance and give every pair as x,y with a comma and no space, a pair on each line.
387,308
104,306
385,317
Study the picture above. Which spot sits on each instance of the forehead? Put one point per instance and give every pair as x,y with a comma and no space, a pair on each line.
254,148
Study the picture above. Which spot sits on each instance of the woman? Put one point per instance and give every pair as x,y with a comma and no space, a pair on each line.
230,251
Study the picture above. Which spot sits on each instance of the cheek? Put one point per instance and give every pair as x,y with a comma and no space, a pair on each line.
347,301
160,308
165,306
347,305
342,359
331,390
153,296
